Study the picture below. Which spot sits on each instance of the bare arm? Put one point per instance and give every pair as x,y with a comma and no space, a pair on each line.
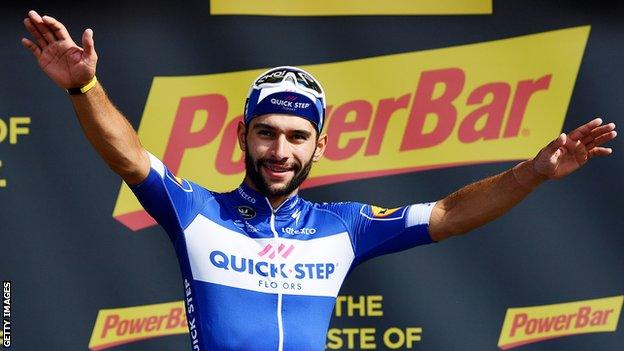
487,199
111,135
70,66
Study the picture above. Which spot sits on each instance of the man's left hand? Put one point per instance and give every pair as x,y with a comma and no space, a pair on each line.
569,152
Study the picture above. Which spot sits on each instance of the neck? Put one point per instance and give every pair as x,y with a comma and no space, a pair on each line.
275,200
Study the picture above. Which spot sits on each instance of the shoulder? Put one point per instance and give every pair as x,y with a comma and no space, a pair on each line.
346,213
339,208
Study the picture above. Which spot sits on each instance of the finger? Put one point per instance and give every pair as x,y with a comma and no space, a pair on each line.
585,129
32,47
596,132
580,152
600,151
572,144
57,28
557,143
602,139
88,44
41,26
30,27
554,150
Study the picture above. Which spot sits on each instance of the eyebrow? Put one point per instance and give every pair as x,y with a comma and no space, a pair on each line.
270,127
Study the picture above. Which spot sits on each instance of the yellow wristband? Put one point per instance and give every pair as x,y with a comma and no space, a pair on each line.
84,88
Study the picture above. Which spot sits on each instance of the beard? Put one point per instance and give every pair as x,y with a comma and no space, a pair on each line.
253,172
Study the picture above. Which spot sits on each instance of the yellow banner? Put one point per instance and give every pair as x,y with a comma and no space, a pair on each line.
119,326
493,101
349,7
532,324
114,327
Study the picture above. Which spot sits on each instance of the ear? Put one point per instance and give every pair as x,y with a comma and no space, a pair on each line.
241,130
320,147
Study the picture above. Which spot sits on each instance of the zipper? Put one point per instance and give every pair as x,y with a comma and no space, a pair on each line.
280,323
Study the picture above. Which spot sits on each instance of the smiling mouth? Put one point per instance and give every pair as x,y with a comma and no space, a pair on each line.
276,169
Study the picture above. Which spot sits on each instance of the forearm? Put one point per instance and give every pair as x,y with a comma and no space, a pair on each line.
111,134
483,201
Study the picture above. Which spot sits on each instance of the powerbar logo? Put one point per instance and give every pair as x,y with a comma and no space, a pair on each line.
123,325
533,324
5,332
485,102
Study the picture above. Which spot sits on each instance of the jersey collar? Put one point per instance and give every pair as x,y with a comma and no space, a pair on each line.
247,195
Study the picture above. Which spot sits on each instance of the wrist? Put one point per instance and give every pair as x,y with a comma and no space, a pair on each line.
527,176
83,89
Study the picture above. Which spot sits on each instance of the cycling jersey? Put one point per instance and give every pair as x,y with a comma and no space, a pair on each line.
258,278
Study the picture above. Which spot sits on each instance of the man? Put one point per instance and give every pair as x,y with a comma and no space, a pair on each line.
261,266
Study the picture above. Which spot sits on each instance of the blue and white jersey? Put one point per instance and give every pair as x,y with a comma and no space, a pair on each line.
258,278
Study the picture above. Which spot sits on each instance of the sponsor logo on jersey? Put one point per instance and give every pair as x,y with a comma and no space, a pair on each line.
382,212
299,231
296,215
527,325
245,225
246,212
246,196
178,179
251,266
282,250
483,102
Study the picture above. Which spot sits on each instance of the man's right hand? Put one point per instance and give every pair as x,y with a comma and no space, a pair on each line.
66,63
71,66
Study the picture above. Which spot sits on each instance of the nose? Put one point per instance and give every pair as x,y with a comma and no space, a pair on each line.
280,148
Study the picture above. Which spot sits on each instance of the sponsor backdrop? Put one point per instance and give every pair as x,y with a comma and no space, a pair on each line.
424,97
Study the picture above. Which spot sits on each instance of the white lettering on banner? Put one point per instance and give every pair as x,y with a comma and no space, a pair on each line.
298,267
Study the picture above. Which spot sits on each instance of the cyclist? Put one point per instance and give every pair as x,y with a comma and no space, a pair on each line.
261,266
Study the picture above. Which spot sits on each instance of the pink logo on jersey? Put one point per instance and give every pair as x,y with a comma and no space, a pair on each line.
282,250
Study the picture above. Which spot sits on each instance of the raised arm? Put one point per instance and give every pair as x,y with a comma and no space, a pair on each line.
72,66
487,199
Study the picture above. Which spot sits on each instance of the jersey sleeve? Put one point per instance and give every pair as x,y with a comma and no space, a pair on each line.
377,231
173,202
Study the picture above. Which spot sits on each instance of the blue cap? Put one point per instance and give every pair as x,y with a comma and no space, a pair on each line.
287,90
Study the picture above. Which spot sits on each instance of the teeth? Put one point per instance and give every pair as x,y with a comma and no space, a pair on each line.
277,169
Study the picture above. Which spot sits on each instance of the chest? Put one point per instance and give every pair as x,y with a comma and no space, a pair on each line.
270,255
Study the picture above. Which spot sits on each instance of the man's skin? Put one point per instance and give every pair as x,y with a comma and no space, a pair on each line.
280,146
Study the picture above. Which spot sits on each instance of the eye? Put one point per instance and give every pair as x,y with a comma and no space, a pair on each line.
301,137
265,133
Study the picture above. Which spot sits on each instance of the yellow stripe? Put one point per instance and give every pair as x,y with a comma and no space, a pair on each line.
350,7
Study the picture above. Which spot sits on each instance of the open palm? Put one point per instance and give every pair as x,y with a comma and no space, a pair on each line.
67,64
570,151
